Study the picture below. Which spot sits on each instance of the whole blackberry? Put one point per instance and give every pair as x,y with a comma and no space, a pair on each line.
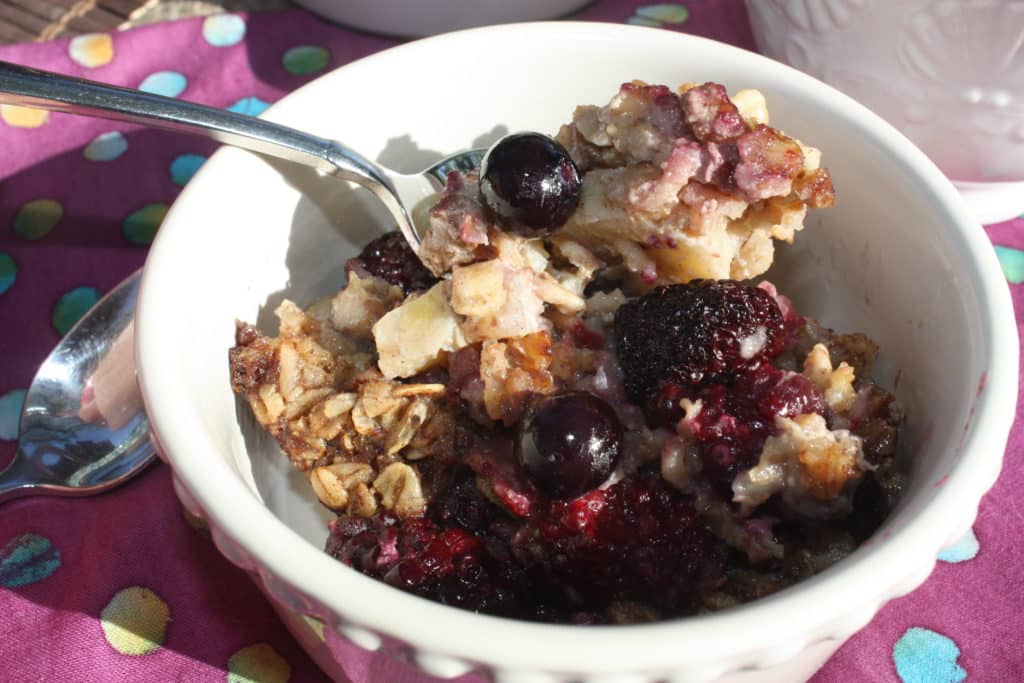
390,258
705,330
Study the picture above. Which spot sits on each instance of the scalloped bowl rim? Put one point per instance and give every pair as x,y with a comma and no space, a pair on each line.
843,598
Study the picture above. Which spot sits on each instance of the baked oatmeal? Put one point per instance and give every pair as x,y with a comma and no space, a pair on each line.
574,405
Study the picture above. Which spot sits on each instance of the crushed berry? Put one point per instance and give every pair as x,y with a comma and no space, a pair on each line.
704,330
736,418
462,504
586,338
390,258
638,540
449,565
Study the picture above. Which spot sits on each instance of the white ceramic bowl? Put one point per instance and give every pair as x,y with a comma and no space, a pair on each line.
949,74
899,258
419,18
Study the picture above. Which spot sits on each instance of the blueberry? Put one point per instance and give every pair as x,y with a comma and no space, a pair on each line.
530,184
569,443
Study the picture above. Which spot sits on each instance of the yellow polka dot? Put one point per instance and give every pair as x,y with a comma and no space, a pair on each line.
315,624
92,50
23,117
135,621
258,664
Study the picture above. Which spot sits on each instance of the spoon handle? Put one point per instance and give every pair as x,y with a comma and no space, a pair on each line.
27,87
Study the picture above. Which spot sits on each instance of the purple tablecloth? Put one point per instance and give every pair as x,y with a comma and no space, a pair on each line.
121,587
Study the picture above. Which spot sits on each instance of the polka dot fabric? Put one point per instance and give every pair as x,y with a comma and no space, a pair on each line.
127,587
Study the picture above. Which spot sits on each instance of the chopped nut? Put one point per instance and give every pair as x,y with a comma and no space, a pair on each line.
551,291
332,483
412,337
514,370
752,106
837,384
399,488
478,289
364,301
412,419
680,461
806,462
293,321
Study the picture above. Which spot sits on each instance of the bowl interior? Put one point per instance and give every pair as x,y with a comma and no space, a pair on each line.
889,260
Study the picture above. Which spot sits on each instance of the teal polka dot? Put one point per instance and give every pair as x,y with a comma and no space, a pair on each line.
27,559
1012,261
251,106
658,15
184,167
224,30
141,226
964,549
73,306
106,147
35,219
10,413
636,20
305,59
166,83
8,272
924,656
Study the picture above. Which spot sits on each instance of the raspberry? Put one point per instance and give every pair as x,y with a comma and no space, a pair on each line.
638,540
390,258
451,566
702,331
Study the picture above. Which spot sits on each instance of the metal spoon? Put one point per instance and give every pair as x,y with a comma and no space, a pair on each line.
400,193
83,429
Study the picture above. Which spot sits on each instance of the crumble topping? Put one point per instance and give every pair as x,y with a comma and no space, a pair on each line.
752,448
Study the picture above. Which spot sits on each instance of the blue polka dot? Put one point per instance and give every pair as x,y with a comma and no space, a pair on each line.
659,15
166,83
72,306
252,106
224,30
924,656
184,167
10,413
1012,261
644,21
8,272
26,559
106,147
964,549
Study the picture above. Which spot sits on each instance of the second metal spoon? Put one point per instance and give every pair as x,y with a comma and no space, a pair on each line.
20,85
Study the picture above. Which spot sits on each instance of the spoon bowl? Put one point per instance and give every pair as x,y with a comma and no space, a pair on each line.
83,429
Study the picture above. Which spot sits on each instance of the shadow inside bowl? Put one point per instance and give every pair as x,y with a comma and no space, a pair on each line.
354,217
